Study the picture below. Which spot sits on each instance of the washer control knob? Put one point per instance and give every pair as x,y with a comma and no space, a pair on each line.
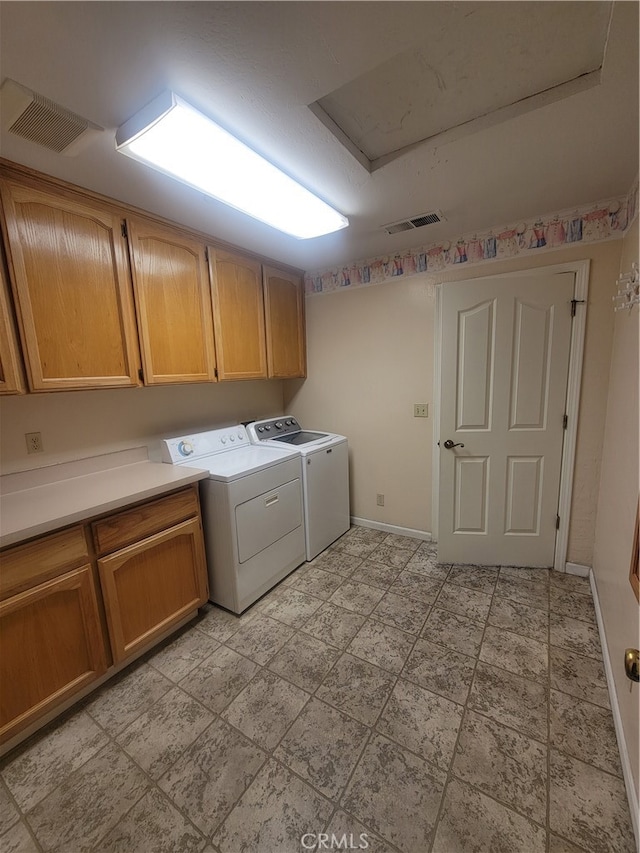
232,438
268,427
240,435
260,429
185,448
278,424
223,439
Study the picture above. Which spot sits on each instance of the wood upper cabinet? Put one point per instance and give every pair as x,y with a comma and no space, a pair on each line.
173,303
11,379
238,312
68,260
284,314
153,582
52,647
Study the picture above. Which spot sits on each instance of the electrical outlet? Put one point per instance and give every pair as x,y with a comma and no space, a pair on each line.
420,410
380,500
34,442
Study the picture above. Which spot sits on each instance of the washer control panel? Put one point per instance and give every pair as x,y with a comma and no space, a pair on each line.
190,447
277,426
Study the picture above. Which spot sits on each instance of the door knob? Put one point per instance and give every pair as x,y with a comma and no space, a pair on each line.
631,664
451,444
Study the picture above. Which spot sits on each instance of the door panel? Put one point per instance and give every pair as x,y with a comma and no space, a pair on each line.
471,494
524,494
476,334
505,360
530,366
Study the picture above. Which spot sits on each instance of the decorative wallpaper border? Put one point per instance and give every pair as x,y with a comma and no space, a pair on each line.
588,224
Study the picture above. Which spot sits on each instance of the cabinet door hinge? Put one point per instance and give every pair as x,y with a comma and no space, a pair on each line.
565,421
557,522
140,374
123,227
575,302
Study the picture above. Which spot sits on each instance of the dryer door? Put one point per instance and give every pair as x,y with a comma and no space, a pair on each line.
265,519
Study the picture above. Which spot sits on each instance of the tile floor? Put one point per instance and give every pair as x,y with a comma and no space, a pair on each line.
434,708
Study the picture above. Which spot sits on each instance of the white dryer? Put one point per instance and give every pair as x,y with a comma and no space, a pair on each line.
325,476
252,512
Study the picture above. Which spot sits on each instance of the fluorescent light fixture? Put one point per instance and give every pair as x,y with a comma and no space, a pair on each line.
172,137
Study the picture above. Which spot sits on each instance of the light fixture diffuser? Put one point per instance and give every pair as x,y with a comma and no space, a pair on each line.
173,137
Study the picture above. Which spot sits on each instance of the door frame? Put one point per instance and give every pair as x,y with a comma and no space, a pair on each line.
572,404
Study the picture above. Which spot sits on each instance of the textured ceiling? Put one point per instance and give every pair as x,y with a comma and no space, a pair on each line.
257,67
476,58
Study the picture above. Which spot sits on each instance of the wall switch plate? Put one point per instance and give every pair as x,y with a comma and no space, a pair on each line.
420,410
380,500
34,442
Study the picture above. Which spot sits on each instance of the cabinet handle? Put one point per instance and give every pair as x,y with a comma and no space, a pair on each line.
271,500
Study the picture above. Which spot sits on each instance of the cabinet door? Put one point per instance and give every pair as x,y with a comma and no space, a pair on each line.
153,584
68,258
173,302
52,647
11,381
284,312
238,315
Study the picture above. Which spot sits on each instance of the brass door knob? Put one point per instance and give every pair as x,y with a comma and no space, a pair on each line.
632,664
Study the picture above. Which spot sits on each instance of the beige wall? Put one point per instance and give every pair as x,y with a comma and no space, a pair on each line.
617,504
370,353
86,423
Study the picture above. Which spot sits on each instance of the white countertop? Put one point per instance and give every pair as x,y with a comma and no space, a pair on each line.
45,499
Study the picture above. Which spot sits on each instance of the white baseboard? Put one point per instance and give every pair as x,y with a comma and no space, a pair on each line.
392,528
625,760
577,569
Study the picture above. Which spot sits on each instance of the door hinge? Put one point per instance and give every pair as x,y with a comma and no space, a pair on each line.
575,302
557,522
140,374
565,421
123,228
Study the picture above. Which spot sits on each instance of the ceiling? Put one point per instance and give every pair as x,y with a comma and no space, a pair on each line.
491,112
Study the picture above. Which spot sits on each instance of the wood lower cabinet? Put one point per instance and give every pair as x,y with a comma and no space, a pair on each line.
238,313
51,646
72,289
149,586
284,317
64,602
173,303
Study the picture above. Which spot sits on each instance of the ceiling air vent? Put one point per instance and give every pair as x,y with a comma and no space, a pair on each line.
415,222
38,119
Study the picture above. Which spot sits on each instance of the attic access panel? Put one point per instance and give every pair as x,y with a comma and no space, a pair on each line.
478,64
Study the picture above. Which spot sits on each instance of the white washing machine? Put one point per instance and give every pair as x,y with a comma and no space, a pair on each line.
325,476
252,512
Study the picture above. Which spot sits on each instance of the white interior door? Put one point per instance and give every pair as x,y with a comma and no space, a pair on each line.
504,365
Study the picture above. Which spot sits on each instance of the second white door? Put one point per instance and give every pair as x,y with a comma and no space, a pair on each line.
504,366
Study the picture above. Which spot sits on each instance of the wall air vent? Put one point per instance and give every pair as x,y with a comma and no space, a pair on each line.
414,222
38,119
